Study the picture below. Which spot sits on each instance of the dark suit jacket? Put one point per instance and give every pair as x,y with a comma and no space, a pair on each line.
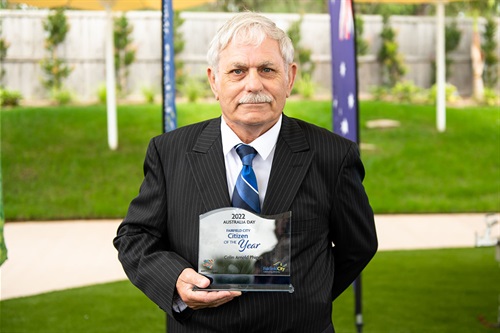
315,174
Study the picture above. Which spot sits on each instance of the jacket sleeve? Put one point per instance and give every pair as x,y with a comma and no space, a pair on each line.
353,227
142,247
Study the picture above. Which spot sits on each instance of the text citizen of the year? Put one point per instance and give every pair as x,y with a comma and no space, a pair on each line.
243,243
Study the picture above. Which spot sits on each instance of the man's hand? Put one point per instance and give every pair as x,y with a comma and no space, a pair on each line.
196,300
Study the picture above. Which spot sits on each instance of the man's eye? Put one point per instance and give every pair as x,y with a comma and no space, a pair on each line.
237,71
267,70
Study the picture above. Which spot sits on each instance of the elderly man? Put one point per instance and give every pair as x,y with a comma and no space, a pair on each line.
298,167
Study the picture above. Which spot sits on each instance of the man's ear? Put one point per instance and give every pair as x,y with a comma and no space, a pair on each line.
211,80
292,73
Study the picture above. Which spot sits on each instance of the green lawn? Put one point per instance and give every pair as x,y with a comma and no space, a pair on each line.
431,291
56,163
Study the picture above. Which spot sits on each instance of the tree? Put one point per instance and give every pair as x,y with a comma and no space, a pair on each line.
4,45
391,61
7,97
54,68
489,46
452,39
302,54
361,44
124,52
304,84
179,43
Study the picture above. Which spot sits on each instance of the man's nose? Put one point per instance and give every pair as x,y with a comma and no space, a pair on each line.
254,82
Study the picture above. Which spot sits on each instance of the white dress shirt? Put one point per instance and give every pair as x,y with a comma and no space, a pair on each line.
265,145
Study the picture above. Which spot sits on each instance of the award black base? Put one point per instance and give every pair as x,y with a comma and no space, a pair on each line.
248,283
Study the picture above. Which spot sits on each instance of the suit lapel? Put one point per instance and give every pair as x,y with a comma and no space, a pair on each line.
292,159
208,167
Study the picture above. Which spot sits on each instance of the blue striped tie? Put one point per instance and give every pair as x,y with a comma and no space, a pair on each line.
246,194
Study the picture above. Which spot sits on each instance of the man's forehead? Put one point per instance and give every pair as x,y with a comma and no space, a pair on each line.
242,52
266,43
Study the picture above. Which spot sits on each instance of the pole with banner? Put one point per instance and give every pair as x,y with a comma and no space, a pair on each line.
345,92
168,77
344,70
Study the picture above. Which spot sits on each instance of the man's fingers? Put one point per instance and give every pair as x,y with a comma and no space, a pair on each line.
203,299
188,279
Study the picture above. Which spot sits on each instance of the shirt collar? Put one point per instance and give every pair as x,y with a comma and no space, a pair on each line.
264,144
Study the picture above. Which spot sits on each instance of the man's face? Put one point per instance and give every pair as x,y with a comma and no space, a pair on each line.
252,85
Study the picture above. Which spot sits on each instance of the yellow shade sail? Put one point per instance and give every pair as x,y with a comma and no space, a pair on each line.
117,5
410,2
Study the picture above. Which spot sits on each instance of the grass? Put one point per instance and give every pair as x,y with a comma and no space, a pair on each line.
415,169
430,291
56,163
403,292
105,308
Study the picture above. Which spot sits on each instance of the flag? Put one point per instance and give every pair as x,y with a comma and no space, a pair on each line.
344,70
168,78
345,94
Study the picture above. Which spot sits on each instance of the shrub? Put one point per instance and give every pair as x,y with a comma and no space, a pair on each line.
62,96
102,93
10,97
451,93
406,92
379,93
305,86
149,94
491,98
193,89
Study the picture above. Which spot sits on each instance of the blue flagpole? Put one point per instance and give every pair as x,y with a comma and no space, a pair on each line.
168,77
345,104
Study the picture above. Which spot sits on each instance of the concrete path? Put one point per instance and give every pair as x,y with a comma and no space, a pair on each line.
48,256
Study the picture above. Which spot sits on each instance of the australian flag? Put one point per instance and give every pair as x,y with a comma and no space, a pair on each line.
344,71
345,92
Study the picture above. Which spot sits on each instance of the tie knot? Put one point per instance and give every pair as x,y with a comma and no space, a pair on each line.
246,153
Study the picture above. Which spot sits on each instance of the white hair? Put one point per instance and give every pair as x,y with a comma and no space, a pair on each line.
249,28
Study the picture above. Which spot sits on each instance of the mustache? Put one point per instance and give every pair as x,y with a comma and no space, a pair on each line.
255,98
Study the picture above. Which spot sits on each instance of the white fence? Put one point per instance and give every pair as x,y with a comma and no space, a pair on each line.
85,46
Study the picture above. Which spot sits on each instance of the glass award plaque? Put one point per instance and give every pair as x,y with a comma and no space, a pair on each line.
240,250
